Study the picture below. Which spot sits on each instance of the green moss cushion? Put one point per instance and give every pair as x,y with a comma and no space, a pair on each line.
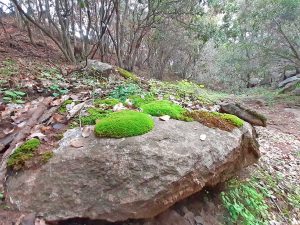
164,107
124,124
23,153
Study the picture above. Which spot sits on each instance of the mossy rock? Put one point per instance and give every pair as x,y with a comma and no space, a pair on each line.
46,156
23,153
94,115
222,121
164,107
127,75
110,102
124,124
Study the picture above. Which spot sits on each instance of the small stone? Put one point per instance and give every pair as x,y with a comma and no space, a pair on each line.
202,137
118,107
28,219
77,143
86,131
165,118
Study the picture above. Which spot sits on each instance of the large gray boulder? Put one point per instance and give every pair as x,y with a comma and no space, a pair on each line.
136,177
95,67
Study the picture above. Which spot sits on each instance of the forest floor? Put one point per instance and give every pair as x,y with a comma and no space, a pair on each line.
38,71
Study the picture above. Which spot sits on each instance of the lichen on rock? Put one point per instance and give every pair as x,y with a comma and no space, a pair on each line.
124,124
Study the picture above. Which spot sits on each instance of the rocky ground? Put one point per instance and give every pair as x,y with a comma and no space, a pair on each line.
278,171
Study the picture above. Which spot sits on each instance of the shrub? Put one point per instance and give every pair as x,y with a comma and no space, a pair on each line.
124,124
23,153
164,107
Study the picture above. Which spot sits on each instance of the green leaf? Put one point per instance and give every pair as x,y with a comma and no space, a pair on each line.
19,101
10,94
20,93
7,99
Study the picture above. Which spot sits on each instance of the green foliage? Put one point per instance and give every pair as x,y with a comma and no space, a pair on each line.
108,102
164,107
94,115
9,68
245,203
14,96
23,153
123,92
124,124
63,108
1,196
139,100
128,75
56,80
185,90
58,90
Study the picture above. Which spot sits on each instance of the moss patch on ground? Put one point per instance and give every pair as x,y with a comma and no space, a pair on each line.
110,102
164,107
94,115
23,153
63,108
124,124
139,100
222,121
128,75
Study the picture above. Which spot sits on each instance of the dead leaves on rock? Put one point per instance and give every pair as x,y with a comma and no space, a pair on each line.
77,142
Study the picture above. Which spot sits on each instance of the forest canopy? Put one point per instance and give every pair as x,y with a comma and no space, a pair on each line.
229,41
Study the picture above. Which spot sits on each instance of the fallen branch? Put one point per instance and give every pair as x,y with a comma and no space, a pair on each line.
21,136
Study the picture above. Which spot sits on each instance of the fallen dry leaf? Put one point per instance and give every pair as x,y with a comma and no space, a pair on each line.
39,135
86,131
77,143
59,118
